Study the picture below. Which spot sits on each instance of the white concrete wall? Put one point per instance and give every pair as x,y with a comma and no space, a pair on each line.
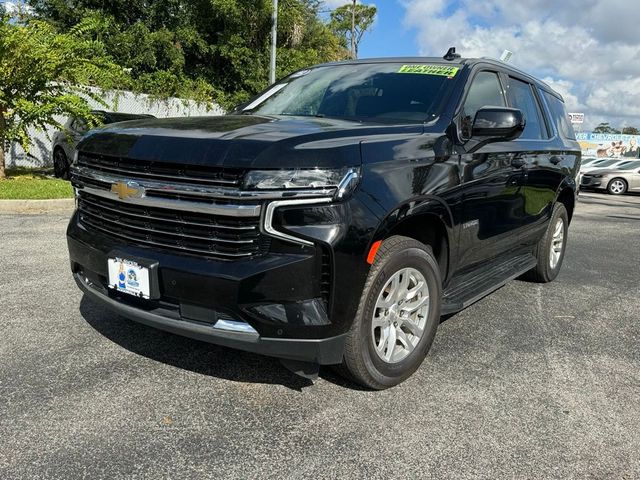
39,154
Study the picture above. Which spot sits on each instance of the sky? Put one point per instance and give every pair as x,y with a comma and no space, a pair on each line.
587,50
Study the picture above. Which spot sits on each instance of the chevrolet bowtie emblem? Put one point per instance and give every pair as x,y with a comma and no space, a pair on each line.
127,190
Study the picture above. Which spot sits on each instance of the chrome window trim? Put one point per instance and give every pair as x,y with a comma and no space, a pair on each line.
267,223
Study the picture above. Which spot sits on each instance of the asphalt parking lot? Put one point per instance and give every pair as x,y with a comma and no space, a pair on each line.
534,381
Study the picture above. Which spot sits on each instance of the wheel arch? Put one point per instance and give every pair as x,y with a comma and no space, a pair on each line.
567,197
428,221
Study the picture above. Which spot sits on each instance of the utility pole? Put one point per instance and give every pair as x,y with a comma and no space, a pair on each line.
274,39
353,30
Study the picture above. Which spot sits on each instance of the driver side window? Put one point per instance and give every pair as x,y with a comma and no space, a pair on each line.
485,91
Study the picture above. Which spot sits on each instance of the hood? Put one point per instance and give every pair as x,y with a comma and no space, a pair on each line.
240,141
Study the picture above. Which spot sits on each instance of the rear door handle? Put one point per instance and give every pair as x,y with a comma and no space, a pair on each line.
518,162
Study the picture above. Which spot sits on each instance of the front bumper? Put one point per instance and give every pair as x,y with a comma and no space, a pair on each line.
326,351
587,182
270,305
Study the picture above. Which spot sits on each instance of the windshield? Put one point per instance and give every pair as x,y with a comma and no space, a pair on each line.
366,92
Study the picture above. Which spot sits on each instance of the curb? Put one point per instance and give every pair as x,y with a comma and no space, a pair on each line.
58,205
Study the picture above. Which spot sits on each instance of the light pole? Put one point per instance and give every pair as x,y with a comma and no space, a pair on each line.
274,39
353,29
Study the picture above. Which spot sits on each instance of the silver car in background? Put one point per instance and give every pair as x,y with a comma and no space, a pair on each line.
625,178
65,141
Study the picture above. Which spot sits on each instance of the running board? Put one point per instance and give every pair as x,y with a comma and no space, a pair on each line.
471,287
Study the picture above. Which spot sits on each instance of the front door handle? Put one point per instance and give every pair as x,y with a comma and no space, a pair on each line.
518,162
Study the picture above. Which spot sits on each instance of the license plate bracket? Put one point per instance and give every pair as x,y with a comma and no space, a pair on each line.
133,275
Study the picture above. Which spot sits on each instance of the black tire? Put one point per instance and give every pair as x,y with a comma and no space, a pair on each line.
544,272
361,363
60,163
617,186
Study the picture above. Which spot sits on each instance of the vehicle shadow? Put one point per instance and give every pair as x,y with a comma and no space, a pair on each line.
188,354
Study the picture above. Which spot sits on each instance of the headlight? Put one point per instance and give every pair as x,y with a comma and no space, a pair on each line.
340,183
298,178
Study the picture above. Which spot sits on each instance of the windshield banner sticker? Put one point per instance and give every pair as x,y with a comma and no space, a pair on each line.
442,70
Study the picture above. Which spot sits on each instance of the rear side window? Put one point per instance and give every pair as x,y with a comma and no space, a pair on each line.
559,116
522,97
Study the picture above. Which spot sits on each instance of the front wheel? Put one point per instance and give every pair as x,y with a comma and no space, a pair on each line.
617,186
60,164
397,317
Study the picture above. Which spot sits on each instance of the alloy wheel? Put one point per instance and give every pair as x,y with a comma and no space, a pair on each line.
617,187
400,315
557,244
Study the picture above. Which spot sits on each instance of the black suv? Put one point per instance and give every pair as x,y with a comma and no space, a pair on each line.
334,218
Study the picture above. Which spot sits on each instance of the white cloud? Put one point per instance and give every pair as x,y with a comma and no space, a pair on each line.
588,50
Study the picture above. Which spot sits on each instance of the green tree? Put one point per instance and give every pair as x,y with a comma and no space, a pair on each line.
630,131
604,127
203,49
44,74
351,22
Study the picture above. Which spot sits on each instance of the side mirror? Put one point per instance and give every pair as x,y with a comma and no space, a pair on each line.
498,123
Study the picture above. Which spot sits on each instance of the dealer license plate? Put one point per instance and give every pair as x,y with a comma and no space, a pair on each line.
129,277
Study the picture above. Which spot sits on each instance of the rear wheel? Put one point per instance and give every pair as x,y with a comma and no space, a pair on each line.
398,315
617,186
60,164
551,247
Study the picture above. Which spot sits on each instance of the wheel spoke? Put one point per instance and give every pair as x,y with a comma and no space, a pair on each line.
402,338
412,307
403,286
390,344
413,328
558,231
412,292
393,288
379,322
384,336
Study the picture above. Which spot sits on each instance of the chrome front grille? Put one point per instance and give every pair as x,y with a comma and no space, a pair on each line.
225,237
175,173
184,208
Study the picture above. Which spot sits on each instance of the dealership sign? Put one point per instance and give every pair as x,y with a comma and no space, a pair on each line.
576,117
613,145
